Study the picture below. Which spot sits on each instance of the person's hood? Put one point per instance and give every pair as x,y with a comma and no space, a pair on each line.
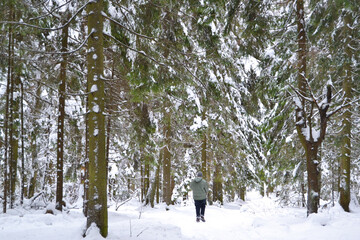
198,179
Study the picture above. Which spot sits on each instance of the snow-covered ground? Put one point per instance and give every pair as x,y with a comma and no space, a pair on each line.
257,218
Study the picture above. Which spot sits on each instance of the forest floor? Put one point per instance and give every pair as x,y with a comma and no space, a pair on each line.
257,218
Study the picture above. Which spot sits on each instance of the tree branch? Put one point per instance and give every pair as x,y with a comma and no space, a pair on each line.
48,29
63,53
127,29
338,109
133,49
311,100
311,93
50,12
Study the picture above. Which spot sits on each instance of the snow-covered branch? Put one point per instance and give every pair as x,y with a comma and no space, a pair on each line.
65,53
135,50
50,12
311,93
311,100
47,29
338,109
128,29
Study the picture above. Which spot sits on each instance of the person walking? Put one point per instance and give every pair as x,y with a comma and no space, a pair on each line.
200,189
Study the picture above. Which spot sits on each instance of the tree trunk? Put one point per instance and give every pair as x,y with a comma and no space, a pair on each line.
302,187
7,104
14,134
23,187
203,151
109,105
61,118
158,177
146,176
97,201
167,191
312,163
49,176
142,176
310,140
346,122
152,190
85,165
217,185
242,192
108,132
33,143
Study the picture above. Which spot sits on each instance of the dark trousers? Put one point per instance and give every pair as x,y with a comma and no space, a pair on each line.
200,207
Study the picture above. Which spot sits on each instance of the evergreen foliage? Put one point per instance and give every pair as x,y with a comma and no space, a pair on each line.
188,85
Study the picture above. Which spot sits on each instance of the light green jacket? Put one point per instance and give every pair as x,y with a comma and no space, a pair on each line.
200,188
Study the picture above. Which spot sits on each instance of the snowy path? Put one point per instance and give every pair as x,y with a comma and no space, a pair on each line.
258,219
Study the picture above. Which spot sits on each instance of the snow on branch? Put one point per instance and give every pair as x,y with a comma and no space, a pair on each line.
69,52
48,29
133,49
311,100
323,104
339,108
127,29
311,93
50,12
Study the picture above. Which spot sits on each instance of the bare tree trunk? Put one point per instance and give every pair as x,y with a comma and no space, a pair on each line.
61,120
203,151
242,192
146,176
97,201
217,184
49,176
109,106
85,166
6,121
158,177
152,189
142,182
108,132
167,190
14,130
313,196
346,123
302,186
33,144
23,190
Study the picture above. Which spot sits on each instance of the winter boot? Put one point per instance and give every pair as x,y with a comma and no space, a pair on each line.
203,219
197,219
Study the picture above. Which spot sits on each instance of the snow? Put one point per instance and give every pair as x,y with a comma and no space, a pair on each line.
193,97
96,108
198,123
251,63
315,134
94,88
256,218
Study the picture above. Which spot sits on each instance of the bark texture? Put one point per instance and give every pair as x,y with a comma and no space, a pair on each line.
61,118
345,159
97,198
